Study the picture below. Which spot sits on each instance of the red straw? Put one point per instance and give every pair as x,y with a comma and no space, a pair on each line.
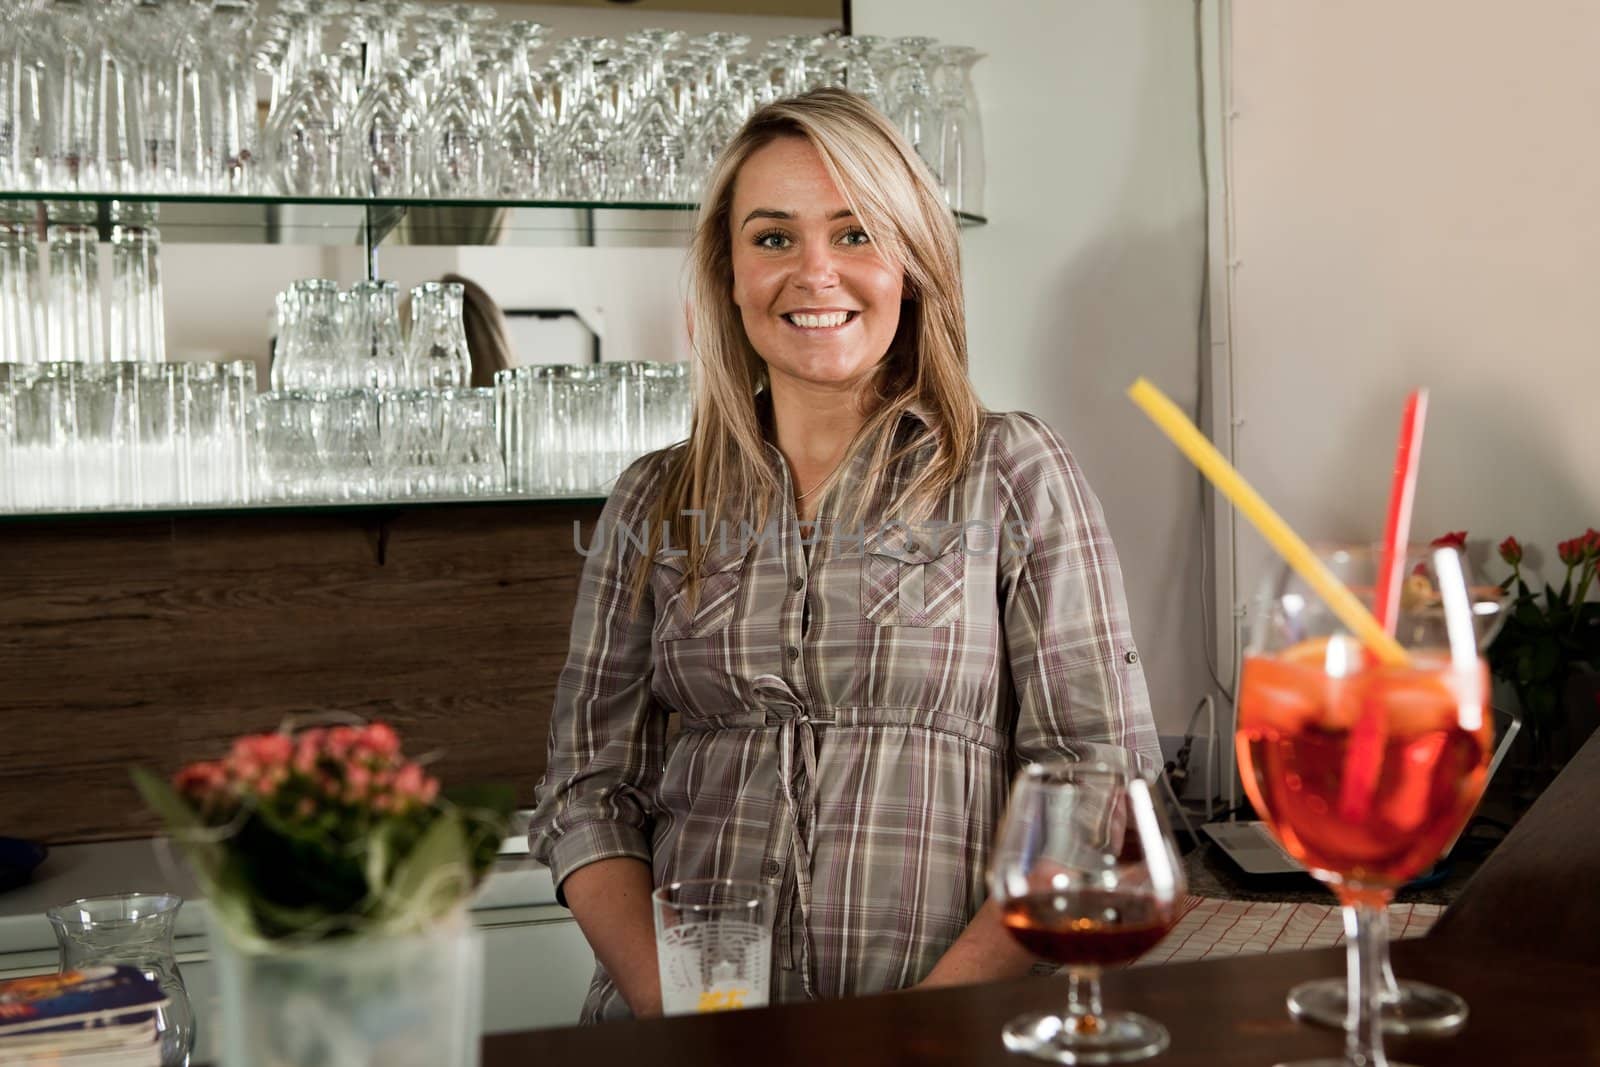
1401,493
1369,736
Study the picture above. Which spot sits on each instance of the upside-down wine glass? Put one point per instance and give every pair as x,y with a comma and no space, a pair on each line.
1364,771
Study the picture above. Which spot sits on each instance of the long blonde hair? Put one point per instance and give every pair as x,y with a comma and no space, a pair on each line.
724,469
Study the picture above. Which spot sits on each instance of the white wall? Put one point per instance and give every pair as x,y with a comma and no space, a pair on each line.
1414,198
1089,271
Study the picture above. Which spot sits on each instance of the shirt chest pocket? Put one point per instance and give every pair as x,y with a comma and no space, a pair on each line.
913,576
721,582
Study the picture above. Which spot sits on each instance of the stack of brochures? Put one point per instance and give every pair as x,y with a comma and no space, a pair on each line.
92,1017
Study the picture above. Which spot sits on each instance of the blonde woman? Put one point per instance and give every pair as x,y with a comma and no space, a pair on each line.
865,599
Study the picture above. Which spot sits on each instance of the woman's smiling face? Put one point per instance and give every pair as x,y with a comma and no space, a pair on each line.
819,304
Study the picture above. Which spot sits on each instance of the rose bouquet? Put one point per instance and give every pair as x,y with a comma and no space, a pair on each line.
1550,637
327,833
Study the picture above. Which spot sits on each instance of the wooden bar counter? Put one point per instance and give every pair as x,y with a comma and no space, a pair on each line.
1220,1014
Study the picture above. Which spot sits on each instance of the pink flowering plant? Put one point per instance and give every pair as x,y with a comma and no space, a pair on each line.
327,832
1548,634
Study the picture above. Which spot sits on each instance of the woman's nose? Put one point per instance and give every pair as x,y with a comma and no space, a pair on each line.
817,269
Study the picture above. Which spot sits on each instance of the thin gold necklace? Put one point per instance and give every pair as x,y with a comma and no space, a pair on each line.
801,496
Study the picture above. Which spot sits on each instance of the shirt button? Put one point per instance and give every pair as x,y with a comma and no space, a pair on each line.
770,869
797,584
1131,658
912,546
794,652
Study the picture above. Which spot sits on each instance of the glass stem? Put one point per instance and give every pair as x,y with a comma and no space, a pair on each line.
1363,1030
1084,1010
1391,987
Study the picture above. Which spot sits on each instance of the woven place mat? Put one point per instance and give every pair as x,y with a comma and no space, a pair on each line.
1212,929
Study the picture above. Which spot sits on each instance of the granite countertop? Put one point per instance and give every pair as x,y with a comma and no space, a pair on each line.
151,865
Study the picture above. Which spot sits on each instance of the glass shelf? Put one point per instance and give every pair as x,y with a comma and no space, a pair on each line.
298,507
343,220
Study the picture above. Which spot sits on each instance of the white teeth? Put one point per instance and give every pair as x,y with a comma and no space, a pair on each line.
815,322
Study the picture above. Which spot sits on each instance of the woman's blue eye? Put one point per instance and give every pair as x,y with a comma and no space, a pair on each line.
772,239
856,237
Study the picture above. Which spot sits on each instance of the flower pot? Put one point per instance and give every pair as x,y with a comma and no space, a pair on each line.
411,1001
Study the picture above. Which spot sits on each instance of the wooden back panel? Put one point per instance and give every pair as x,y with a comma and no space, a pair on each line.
155,640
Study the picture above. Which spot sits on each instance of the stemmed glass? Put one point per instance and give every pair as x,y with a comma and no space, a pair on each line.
859,76
960,131
379,153
1365,772
459,131
1410,1007
1086,875
303,133
912,104
581,142
656,148
523,135
724,112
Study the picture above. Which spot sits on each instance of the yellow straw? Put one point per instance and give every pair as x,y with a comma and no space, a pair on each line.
1176,425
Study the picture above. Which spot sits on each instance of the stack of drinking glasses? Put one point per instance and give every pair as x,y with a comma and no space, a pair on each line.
119,96
378,444
358,411
572,429
330,338
124,435
389,98
70,326
470,114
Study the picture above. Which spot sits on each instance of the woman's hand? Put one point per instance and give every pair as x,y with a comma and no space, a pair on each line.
984,952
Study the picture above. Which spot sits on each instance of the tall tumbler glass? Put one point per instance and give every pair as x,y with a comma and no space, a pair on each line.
134,929
508,421
22,322
437,357
8,437
199,469
122,398
25,118
76,334
71,58
94,418
56,409
237,404
159,434
138,323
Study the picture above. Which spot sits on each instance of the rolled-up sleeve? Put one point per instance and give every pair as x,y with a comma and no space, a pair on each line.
607,734
1074,668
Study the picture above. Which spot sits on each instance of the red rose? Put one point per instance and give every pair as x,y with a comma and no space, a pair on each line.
1511,551
1456,539
1572,552
1591,542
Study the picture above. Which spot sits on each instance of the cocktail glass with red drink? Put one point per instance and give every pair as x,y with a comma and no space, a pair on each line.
1365,771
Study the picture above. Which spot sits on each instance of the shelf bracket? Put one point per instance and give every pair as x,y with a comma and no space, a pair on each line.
381,221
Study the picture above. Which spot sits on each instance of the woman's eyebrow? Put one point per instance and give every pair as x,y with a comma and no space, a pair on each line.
788,216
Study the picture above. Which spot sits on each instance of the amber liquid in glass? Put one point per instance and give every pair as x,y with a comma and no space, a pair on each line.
1087,926
1367,777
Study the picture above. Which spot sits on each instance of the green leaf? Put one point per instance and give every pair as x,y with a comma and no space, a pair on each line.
430,880
199,842
485,809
